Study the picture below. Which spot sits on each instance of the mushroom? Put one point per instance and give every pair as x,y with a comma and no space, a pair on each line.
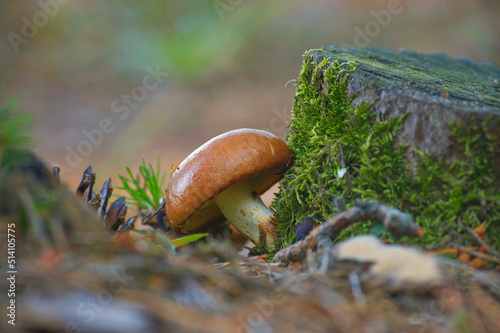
225,178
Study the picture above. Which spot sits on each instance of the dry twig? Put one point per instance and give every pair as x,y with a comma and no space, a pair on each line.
394,220
478,254
481,241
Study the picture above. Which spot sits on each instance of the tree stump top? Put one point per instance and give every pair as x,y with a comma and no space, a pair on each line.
459,84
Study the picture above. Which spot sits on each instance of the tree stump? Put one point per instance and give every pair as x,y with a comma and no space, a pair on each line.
418,132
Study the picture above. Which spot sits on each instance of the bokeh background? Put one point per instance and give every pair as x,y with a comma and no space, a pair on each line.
84,67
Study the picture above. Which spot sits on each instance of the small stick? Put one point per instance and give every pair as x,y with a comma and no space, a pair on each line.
478,254
438,245
394,220
481,241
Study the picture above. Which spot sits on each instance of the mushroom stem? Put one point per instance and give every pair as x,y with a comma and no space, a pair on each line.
243,208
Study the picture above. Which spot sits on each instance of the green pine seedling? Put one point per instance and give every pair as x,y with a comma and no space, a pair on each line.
150,194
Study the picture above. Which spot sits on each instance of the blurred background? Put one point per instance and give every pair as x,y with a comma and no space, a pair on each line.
111,81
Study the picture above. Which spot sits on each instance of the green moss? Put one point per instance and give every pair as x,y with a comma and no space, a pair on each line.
465,191
340,149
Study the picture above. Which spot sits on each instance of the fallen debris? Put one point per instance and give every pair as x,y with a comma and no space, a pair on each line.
394,220
395,265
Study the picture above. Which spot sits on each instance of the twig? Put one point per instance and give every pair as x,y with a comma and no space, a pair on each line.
492,283
481,241
443,241
478,254
394,220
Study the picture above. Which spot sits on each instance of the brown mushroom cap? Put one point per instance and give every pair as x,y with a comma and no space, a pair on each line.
219,163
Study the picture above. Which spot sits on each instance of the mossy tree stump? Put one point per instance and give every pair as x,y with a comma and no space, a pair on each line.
420,132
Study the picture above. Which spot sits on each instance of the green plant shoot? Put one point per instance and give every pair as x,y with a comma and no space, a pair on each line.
146,190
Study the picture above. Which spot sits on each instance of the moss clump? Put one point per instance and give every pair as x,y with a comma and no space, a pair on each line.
340,149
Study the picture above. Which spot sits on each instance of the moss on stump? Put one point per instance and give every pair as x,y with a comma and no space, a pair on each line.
420,132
